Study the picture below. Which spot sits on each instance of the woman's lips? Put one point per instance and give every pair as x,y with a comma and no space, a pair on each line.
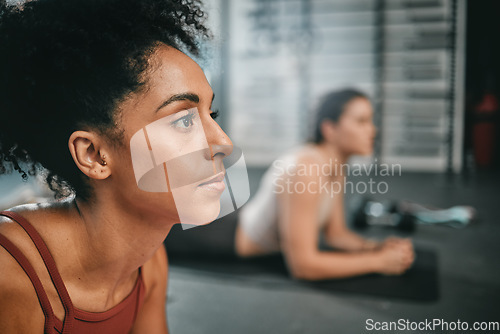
215,184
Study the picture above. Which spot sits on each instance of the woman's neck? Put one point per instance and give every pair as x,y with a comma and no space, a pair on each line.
330,151
114,242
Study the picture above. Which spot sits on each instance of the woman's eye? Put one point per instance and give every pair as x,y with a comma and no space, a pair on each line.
184,122
187,122
215,114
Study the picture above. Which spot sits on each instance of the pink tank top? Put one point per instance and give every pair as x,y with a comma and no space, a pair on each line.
119,319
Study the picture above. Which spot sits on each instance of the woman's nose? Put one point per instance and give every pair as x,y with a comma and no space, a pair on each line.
221,151
218,141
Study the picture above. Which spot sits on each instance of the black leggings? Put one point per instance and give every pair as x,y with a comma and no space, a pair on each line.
214,239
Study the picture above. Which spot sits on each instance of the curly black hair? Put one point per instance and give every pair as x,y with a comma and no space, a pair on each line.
66,64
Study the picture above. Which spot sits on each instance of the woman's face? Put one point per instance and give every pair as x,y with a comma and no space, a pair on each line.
355,131
172,145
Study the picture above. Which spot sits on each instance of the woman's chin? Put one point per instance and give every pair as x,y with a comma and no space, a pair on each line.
368,151
200,216
365,152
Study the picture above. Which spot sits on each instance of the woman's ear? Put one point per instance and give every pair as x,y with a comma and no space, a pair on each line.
328,130
88,154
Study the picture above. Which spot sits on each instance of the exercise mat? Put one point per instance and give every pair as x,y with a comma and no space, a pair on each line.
420,283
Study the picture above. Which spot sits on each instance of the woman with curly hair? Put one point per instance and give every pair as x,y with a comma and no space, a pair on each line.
78,79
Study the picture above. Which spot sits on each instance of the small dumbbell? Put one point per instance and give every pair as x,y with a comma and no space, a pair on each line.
372,213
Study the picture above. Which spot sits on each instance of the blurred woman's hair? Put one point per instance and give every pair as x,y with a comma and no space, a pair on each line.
331,107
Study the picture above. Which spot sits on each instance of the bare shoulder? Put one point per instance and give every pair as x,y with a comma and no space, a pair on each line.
155,269
306,176
151,317
310,154
20,310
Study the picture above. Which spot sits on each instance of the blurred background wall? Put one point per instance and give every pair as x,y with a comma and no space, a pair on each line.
428,65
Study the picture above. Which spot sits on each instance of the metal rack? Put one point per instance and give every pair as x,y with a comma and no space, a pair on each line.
406,54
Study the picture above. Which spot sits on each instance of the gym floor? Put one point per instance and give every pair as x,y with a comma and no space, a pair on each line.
469,275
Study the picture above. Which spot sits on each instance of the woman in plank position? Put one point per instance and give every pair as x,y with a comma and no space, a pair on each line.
300,197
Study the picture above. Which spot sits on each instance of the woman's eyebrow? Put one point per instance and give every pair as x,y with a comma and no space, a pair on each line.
180,97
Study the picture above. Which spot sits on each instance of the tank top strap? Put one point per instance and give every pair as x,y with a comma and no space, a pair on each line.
35,280
51,268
